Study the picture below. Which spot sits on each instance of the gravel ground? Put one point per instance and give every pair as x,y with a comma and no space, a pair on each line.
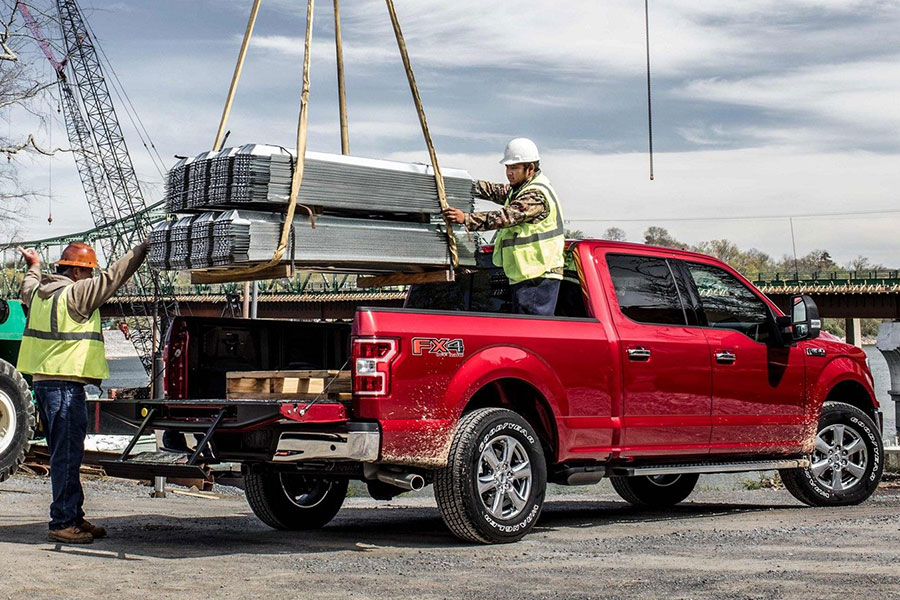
757,544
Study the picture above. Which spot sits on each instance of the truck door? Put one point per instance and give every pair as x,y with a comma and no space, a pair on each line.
758,386
667,390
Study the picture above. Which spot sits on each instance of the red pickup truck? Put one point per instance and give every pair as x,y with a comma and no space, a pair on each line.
659,365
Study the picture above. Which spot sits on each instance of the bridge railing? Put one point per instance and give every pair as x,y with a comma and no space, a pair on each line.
885,278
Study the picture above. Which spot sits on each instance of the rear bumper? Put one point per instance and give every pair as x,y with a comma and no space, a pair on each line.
357,441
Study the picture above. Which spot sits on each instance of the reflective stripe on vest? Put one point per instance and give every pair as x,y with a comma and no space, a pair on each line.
532,250
54,343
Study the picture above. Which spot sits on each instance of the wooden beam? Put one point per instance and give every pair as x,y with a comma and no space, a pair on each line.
405,279
233,275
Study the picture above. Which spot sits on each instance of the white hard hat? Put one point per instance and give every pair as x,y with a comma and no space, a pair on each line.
520,150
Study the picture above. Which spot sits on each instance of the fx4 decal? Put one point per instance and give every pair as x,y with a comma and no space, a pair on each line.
438,347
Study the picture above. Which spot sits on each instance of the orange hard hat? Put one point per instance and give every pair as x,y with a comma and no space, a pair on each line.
79,254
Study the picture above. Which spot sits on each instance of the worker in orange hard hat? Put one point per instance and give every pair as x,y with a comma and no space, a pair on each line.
62,348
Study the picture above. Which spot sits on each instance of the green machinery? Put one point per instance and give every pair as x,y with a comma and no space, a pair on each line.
17,408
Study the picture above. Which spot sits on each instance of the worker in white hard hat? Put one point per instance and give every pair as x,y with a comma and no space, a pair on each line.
530,232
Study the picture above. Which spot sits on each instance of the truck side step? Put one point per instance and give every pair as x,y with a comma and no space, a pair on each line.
723,467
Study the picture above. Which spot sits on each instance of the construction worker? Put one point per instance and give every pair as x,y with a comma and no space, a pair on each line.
530,232
62,348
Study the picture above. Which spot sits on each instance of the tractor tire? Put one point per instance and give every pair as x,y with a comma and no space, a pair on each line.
846,464
492,489
294,502
16,419
657,491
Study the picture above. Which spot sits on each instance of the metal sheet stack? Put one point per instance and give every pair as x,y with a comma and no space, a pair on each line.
158,256
373,215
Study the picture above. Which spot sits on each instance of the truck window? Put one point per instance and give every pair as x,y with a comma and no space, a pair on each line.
645,289
486,289
728,303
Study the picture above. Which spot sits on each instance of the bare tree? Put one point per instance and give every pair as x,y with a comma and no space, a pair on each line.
615,234
23,92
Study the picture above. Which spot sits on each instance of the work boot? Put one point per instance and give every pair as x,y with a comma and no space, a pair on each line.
97,531
70,535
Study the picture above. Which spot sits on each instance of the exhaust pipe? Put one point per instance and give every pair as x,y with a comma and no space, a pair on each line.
407,481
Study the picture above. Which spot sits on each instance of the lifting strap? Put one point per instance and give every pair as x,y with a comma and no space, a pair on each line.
439,179
302,131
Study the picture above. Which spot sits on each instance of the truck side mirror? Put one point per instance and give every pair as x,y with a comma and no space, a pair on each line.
805,318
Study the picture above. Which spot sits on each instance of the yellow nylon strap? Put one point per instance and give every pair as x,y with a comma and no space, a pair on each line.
342,94
248,33
297,179
439,179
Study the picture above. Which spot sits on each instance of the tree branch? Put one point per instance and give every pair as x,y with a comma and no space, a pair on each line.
30,93
31,142
8,53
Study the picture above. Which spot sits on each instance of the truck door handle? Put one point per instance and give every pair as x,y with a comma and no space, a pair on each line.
724,357
639,354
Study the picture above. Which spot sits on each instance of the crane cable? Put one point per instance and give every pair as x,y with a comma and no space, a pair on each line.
649,107
119,89
438,177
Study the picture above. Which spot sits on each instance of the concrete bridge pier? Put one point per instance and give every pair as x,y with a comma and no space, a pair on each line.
853,331
889,345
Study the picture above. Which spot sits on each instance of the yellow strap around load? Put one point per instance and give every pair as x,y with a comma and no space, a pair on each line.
297,178
439,179
302,130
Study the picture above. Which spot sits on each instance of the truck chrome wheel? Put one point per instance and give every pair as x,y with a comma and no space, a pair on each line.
492,489
840,457
7,421
304,492
846,462
504,477
292,501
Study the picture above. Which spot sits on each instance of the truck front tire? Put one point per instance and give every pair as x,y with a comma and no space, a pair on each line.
16,419
291,501
657,491
846,464
492,489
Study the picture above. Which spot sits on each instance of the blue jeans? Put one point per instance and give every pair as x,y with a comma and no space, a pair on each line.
535,296
63,413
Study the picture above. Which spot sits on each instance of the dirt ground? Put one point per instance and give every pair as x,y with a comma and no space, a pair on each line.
739,544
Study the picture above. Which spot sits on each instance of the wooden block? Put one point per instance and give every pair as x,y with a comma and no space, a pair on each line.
248,385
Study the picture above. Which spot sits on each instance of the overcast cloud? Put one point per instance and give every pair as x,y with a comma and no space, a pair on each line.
761,107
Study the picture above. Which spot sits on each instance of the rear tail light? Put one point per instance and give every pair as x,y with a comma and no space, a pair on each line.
372,360
176,360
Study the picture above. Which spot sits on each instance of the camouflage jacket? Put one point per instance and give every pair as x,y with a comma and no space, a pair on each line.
530,207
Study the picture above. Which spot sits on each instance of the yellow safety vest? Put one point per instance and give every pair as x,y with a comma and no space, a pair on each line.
56,344
531,250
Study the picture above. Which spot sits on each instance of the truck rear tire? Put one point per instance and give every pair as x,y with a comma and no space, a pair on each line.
492,489
292,501
16,419
846,464
655,491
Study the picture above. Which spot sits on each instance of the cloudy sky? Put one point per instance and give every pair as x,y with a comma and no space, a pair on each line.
763,109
